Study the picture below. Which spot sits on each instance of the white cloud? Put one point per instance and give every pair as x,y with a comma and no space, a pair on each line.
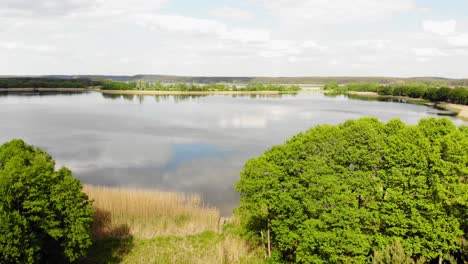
440,27
429,52
203,27
49,7
371,44
288,37
72,7
147,6
336,11
246,35
312,45
230,13
459,41
12,45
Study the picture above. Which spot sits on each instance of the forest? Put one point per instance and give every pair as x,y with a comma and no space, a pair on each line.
457,95
361,192
47,83
157,86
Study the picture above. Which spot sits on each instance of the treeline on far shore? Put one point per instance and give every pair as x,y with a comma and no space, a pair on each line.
47,83
189,87
457,95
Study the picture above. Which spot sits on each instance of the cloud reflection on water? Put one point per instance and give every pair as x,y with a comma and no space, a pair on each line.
176,143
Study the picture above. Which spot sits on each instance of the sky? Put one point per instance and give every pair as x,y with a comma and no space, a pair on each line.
400,38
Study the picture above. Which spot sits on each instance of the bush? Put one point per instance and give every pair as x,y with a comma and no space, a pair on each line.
44,216
337,194
331,86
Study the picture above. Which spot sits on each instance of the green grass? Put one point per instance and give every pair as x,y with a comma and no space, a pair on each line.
207,247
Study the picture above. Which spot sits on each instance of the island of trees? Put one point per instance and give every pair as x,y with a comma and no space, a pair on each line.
361,192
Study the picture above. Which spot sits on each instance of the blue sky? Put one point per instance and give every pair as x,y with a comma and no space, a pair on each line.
232,38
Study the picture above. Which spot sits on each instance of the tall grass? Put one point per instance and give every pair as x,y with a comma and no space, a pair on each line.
121,212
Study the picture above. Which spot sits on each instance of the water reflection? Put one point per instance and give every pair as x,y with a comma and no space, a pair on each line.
189,143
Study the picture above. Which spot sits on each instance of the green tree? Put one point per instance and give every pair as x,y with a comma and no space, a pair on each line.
44,216
337,194
331,86
394,254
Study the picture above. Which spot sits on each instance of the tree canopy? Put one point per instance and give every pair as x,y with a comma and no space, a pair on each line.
457,95
354,192
44,216
190,87
46,83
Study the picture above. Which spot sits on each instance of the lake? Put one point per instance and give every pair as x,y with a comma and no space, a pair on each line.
195,144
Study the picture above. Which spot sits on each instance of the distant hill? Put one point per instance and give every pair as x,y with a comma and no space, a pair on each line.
193,79
117,78
277,80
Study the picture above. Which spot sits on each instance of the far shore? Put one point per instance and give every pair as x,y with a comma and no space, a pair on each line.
142,92
461,110
46,89
138,92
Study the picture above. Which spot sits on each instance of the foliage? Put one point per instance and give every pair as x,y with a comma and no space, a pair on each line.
46,83
331,86
458,95
337,194
190,87
362,87
43,213
295,80
394,254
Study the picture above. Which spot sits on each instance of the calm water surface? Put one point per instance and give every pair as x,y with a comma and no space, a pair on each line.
175,143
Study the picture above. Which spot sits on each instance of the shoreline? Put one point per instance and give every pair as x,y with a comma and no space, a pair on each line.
143,92
460,110
369,94
46,89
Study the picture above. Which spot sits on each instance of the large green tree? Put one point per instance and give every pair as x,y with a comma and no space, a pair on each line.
341,194
44,215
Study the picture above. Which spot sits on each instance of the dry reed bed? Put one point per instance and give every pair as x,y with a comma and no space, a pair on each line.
145,213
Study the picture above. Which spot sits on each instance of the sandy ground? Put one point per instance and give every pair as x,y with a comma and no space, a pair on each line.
365,93
462,110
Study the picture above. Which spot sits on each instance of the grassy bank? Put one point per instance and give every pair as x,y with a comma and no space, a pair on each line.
150,226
